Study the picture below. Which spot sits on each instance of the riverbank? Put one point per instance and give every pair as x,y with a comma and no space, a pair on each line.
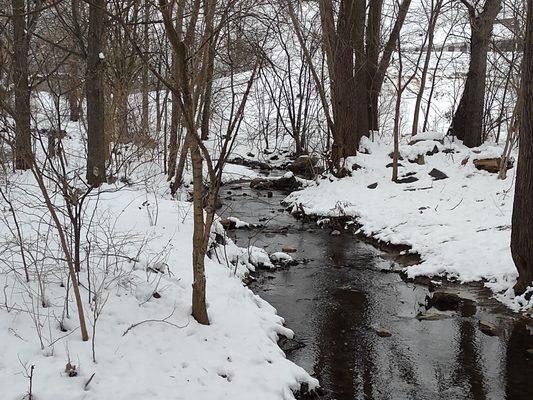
454,216
364,332
135,285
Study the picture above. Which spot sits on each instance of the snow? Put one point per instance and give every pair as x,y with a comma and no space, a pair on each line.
146,343
171,357
288,175
281,258
429,135
234,172
421,148
239,223
460,226
259,257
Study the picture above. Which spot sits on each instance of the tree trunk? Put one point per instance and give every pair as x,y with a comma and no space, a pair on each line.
145,88
467,122
343,85
199,308
23,148
522,222
95,95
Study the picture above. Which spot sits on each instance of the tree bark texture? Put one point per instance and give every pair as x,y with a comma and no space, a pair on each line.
522,222
96,153
23,147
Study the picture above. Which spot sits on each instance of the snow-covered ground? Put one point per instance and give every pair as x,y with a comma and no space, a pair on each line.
136,289
235,357
460,226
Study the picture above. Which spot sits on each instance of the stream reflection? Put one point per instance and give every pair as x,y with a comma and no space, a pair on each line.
337,300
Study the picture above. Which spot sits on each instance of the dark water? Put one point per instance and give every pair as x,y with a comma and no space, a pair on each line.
337,299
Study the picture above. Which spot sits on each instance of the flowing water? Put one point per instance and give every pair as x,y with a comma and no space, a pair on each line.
339,296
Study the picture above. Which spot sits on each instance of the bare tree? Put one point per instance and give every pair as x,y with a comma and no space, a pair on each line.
401,85
191,85
356,73
467,123
434,12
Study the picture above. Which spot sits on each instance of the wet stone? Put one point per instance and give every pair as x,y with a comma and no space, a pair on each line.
248,280
382,332
430,316
444,301
306,166
448,301
289,345
289,249
488,328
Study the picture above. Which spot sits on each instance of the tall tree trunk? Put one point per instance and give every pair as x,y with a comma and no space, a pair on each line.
343,84
522,222
467,122
95,95
199,309
145,88
23,148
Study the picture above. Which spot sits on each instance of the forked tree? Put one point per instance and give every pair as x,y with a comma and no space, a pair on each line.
193,58
352,42
467,123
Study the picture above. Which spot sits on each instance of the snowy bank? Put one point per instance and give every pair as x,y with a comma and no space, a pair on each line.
459,224
146,344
